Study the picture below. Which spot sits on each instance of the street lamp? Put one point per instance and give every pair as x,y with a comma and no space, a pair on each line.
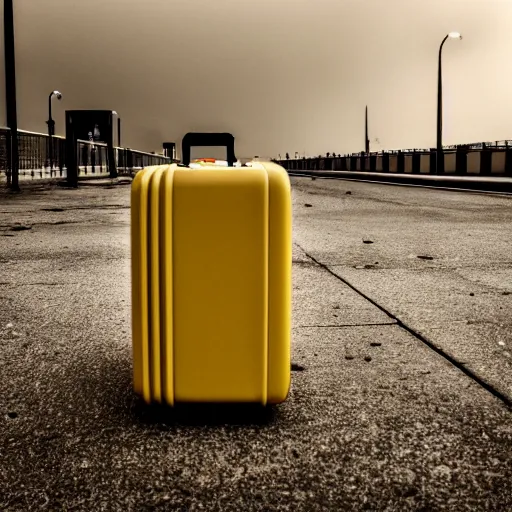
440,154
51,125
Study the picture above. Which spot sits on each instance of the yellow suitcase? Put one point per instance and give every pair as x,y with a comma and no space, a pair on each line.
211,284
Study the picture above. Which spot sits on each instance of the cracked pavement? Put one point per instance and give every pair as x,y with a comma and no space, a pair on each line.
375,420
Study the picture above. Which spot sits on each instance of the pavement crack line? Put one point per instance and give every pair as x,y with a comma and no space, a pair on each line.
345,325
460,366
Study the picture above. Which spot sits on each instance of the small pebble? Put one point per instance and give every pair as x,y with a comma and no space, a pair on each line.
307,205
349,357
375,344
348,192
12,415
471,294
367,359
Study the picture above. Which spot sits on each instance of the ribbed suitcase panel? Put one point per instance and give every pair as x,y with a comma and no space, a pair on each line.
279,283
140,288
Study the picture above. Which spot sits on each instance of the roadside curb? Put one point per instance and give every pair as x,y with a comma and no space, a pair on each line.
36,185
498,184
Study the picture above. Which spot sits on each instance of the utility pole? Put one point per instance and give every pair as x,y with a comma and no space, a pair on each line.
10,93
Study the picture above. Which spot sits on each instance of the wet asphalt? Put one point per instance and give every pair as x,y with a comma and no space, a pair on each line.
401,363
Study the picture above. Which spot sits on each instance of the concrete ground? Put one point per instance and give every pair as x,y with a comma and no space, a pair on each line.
401,383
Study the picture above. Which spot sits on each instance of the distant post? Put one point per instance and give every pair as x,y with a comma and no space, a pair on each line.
366,139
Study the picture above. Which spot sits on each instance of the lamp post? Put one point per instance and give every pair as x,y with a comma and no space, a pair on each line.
440,154
51,126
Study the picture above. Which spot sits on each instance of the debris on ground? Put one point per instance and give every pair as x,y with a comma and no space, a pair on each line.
20,228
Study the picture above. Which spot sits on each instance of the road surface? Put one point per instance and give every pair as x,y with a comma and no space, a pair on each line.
376,419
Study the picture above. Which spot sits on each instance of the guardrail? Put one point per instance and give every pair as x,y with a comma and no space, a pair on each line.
41,156
131,160
488,160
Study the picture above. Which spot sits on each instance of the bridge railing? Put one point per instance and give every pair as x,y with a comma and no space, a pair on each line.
131,160
41,156
487,159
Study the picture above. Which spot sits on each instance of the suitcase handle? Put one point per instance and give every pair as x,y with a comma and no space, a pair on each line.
208,139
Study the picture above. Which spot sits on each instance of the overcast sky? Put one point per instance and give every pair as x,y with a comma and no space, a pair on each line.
281,75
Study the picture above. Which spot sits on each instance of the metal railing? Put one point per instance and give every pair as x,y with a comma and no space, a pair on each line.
131,160
503,144
41,156
492,158
92,157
